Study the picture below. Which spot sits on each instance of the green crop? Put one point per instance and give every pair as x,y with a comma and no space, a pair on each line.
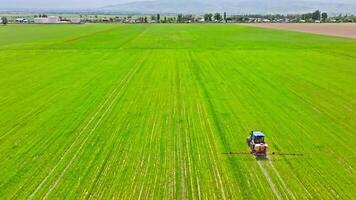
105,111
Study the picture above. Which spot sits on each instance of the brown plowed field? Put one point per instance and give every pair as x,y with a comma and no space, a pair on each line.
340,30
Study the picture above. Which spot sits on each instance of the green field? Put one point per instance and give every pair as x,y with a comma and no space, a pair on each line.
147,111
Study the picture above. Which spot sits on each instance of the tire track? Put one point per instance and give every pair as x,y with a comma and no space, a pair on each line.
121,83
104,167
281,180
125,84
270,181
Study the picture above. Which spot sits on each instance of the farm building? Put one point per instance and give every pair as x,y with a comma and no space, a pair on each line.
48,20
53,19
40,20
74,20
21,20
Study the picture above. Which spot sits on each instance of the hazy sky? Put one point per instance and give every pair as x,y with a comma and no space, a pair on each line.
86,3
58,3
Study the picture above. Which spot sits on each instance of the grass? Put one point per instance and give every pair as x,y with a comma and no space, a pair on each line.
146,111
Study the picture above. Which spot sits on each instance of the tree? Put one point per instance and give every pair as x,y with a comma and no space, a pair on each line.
180,18
188,18
225,17
316,15
153,17
208,17
145,19
158,17
217,16
324,16
4,20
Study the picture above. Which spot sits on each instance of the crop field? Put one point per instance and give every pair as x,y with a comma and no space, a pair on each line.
147,111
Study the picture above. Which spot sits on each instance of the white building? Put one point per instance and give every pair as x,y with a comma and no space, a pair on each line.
53,19
74,20
47,20
40,20
19,20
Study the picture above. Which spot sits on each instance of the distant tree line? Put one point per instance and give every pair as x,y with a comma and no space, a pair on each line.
316,16
40,16
225,18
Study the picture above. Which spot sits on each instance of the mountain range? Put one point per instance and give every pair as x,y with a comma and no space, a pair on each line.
234,6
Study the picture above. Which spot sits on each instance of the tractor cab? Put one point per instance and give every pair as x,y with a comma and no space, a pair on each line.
256,142
258,137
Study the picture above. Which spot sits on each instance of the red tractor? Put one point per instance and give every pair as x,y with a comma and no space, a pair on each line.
256,142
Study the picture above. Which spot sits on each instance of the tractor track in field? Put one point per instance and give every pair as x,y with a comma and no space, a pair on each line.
92,130
103,168
270,181
85,36
281,180
133,38
210,145
114,94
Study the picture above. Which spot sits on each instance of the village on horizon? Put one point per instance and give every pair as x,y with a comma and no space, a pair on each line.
55,18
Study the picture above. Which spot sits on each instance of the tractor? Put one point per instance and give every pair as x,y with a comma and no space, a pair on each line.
258,147
256,142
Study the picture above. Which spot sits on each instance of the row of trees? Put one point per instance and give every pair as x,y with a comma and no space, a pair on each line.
209,17
186,18
344,18
217,16
317,15
40,16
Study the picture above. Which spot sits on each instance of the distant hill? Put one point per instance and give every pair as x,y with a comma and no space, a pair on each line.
234,6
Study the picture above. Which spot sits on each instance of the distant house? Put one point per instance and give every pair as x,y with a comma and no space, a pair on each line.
200,19
105,19
21,20
133,20
39,20
47,20
74,20
53,19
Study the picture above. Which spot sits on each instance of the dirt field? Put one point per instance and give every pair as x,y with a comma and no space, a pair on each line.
341,30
